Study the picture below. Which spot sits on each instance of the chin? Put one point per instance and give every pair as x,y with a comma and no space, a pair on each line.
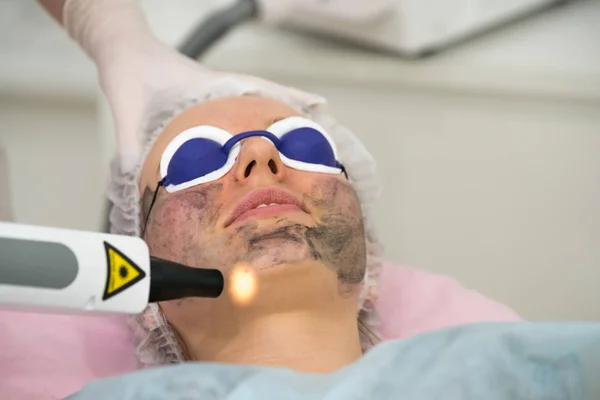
277,258
296,286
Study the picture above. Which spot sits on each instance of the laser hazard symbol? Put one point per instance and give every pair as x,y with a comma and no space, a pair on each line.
122,272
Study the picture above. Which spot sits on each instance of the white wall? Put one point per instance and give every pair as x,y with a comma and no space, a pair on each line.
53,157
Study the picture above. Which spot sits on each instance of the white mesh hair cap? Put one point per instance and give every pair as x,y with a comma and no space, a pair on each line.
155,342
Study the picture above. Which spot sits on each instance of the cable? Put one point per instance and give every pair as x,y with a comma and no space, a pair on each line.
106,220
216,26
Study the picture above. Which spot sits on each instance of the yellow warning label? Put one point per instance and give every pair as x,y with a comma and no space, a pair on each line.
122,272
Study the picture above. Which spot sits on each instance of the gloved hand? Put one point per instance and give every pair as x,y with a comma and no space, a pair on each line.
133,65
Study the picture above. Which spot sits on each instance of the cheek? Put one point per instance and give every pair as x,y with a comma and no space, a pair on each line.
348,200
334,194
339,236
175,212
173,225
325,189
178,223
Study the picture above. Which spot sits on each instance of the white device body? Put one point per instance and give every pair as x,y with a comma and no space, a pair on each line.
84,294
407,27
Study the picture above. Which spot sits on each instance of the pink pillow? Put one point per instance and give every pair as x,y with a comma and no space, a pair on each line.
47,357
412,301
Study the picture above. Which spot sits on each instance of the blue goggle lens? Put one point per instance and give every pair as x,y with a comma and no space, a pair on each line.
203,154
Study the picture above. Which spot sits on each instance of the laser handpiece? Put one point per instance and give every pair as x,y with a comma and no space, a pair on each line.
64,271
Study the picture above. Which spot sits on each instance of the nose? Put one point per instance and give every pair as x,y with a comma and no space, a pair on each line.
259,159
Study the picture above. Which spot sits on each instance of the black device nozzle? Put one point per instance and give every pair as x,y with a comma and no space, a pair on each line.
170,281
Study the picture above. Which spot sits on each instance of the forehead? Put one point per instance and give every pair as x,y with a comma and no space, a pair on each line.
234,114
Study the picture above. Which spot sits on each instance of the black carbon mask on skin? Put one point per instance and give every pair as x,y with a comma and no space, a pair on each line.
182,228
197,198
337,240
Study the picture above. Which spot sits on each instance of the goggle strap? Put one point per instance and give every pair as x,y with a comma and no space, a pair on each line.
158,185
340,166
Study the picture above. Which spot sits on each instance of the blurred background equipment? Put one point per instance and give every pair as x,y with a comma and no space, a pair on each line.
5,195
411,28
488,152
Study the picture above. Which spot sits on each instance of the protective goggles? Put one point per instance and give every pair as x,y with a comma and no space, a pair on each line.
204,153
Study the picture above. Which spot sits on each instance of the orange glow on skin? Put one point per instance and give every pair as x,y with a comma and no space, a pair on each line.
242,284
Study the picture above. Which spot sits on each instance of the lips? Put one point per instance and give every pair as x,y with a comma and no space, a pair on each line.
264,203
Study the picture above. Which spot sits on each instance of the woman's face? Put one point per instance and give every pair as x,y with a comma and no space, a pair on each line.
311,253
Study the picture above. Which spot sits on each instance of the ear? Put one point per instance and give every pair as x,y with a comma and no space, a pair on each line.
5,198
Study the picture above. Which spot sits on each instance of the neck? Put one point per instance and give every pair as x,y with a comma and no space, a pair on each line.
310,326
304,341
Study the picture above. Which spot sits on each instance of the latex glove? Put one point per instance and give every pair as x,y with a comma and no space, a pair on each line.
133,65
